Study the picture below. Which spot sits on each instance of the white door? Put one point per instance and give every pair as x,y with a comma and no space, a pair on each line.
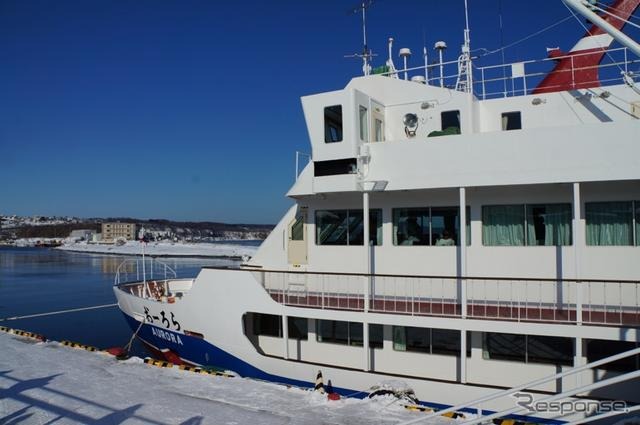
297,237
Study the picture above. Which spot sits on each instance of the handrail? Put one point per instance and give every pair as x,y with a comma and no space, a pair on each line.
169,272
513,279
594,386
528,385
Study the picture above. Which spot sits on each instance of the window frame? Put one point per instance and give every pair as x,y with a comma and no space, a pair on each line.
375,216
432,241
509,115
331,124
525,207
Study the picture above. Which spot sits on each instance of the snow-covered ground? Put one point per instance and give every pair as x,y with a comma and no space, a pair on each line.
165,249
43,383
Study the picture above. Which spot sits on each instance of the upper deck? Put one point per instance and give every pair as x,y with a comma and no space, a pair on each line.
413,135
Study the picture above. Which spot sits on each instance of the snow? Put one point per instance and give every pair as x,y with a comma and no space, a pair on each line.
165,249
50,383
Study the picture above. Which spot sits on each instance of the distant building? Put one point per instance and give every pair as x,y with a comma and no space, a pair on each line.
116,230
82,234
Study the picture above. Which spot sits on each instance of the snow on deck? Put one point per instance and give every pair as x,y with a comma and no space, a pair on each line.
165,249
50,383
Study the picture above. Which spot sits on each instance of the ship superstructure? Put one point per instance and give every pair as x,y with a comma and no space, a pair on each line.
446,232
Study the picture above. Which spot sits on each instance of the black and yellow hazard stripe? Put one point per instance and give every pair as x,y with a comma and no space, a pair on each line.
158,363
25,334
79,346
418,408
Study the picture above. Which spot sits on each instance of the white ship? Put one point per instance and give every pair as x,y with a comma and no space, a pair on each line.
501,212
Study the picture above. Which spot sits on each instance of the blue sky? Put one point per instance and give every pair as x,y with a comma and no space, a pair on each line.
190,110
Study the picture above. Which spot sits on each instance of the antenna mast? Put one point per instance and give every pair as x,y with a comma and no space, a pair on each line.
366,53
465,80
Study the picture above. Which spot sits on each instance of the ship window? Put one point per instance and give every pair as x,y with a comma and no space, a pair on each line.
333,124
428,226
347,333
364,124
548,224
297,229
599,349
271,325
610,223
506,346
450,121
543,224
378,126
298,328
511,121
345,227
335,167
529,348
426,340
267,324
549,349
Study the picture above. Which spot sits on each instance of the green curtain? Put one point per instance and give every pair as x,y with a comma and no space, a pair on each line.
556,220
399,338
609,223
503,225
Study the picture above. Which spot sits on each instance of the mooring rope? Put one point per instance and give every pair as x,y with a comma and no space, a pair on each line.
128,346
51,313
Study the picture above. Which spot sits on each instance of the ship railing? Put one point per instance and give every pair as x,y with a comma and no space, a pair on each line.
487,417
147,278
571,301
521,78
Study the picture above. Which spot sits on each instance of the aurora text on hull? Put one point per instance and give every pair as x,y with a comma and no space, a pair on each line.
446,232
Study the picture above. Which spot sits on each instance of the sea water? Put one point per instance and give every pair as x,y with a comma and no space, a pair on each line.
41,280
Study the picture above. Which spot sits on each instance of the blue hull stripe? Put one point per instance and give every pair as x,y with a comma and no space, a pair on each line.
199,351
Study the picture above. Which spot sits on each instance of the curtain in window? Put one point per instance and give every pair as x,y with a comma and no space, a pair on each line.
503,225
553,222
609,223
399,339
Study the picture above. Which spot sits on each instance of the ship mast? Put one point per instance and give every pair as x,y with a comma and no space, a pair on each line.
366,53
465,78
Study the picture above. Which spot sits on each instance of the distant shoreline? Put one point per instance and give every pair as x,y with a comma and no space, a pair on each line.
226,249
120,254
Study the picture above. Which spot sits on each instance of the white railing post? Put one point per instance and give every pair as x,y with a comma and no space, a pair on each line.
578,242
463,252
367,249
365,346
285,336
463,356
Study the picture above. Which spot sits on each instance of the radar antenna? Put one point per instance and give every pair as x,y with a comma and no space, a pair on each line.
366,53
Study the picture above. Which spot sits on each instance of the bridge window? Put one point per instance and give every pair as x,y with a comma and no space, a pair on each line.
345,227
611,223
450,122
333,124
511,121
364,124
